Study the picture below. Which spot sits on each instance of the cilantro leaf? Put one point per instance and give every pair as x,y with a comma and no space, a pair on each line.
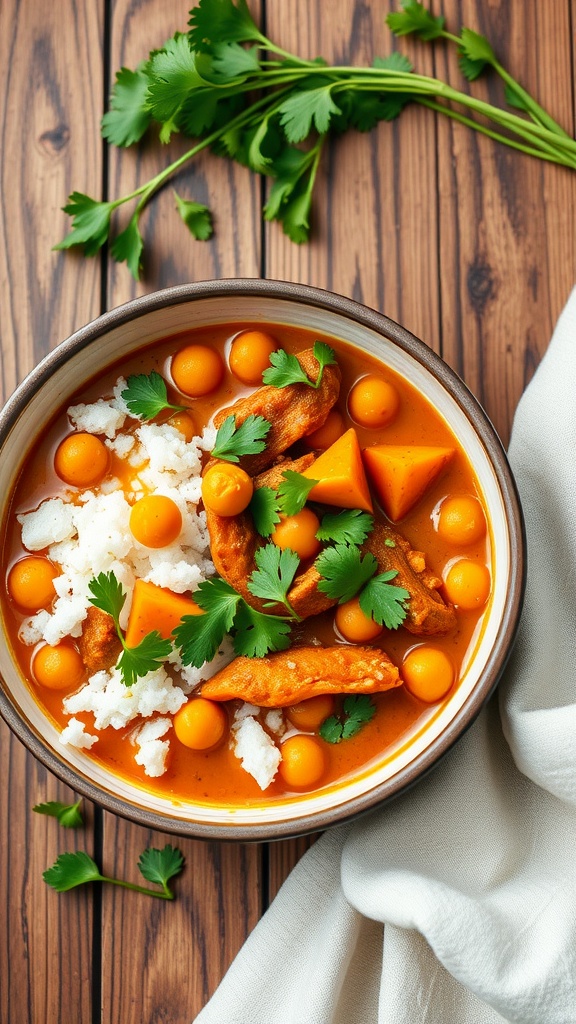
90,223
196,217
264,511
514,98
128,117
383,602
107,594
344,571
173,75
233,442
286,369
127,247
351,526
304,107
393,62
146,395
221,21
257,633
198,637
68,815
160,866
415,18
231,61
275,572
357,710
70,870
136,662
293,492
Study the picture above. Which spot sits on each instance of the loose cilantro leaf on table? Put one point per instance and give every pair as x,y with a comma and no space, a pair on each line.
383,602
73,869
146,395
357,710
127,247
233,442
263,508
286,369
344,571
128,117
68,815
90,223
134,663
415,18
351,526
196,217
274,575
293,492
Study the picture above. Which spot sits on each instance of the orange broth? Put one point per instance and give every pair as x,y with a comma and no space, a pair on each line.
216,777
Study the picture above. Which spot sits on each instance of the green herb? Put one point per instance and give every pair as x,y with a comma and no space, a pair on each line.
254,633
146,395
68,815
135,662
263,508
233,442
356,712
293,492
383,602
73,869
274,575
286,369
344,570
255,104
351,526
389,543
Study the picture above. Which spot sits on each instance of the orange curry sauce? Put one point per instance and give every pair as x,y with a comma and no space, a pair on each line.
216,776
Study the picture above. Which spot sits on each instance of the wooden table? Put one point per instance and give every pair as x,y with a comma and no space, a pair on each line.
470,246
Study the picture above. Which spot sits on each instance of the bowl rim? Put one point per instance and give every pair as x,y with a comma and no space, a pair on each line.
498,656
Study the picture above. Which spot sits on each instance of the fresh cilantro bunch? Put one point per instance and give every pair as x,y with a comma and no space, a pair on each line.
228,86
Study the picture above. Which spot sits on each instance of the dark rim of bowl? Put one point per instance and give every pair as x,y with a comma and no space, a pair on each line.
413,772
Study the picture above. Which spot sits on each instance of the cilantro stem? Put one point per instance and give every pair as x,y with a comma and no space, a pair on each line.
166,894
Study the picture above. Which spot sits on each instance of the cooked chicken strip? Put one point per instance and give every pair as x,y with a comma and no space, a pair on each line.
293,411
234,540
428,615
99,645
288,677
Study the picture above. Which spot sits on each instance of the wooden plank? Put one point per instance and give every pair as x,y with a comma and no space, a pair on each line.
52,91
507,236
374,230
163,961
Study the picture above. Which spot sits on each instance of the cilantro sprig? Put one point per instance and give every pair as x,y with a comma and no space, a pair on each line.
357,710
68,815
253,633
233,442
286,369
350,526
159,866
146,395
134,663
256,103
346,572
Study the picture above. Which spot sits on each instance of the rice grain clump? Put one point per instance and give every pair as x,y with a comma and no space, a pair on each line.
253,747
88,533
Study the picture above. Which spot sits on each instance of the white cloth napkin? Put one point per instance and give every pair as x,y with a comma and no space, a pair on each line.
456,904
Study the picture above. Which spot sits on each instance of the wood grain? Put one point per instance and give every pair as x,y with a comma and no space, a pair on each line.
52,91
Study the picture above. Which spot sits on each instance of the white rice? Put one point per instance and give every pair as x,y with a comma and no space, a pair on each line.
87,534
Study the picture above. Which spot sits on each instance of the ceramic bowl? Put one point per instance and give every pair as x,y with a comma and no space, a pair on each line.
141,322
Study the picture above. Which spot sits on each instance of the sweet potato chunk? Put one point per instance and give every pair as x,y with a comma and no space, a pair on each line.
401,474
99,645
428,615
154,608
340,475
234,540
293,411
288,677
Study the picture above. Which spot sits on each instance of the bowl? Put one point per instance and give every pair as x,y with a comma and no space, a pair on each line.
145,320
